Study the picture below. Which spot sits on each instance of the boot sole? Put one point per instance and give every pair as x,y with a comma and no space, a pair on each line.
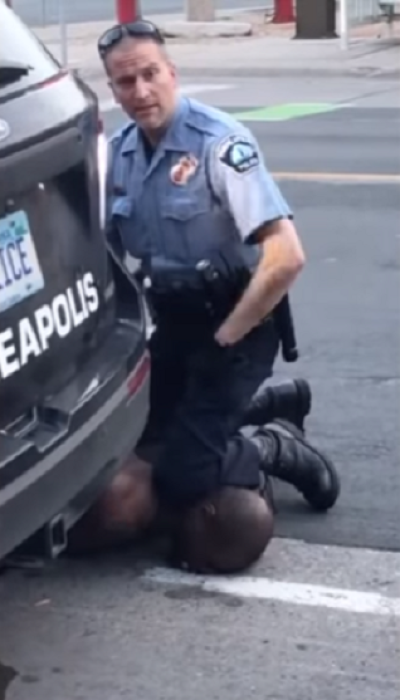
304,390
325,501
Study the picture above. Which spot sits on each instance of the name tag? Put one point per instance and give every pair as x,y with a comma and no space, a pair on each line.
20,271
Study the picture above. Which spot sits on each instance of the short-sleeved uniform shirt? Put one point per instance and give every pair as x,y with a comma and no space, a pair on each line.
205,188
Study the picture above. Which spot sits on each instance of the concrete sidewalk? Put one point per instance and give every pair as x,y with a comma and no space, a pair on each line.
269,51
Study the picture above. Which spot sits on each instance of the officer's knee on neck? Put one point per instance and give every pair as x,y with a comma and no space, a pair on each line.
225,534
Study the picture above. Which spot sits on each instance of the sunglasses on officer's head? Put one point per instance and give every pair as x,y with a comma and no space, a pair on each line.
140,28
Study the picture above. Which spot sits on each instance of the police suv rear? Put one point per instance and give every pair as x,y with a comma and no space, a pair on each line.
74,370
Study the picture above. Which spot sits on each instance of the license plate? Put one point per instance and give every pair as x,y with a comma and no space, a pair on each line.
20,272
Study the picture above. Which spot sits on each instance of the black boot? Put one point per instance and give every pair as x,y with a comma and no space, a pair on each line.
288,456
290,400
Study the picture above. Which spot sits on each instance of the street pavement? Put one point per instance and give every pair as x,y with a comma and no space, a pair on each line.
41,12
318,617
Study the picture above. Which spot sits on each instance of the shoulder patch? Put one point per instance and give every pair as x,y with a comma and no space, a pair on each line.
238,153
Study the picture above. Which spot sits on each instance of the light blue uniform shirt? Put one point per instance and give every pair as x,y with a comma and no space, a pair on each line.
206,187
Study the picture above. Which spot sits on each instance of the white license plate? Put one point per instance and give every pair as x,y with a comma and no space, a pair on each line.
20,272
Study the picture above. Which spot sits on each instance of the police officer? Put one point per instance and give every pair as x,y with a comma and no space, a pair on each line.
188,184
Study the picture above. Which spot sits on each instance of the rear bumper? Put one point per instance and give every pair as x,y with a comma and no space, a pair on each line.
67,478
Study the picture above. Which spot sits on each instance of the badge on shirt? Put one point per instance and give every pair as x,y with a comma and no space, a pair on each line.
239,153
184,169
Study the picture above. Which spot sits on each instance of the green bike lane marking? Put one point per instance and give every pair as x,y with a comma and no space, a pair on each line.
284,112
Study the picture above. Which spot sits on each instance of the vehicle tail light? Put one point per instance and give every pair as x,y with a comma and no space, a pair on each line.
137,378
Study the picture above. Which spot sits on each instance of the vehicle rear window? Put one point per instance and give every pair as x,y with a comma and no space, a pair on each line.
19,45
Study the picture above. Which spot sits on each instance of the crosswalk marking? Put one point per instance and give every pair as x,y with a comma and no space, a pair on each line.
258,588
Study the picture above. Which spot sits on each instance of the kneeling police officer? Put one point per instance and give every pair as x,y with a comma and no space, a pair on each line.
190,197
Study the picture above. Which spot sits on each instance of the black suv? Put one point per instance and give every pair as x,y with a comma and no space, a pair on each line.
74,369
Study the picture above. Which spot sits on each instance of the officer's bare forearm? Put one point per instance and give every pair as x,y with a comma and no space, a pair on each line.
264,292
282,260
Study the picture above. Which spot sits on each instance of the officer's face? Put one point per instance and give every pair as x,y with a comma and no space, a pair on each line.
143,82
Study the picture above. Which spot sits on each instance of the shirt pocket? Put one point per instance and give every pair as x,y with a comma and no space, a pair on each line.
124,217
122,206
185,226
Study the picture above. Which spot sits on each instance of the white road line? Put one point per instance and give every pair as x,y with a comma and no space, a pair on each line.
341,178
350,601
189,89
195,88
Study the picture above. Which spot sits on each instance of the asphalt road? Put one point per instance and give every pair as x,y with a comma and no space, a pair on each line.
117,627
40,12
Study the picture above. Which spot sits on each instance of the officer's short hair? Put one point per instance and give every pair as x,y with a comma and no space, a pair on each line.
230,540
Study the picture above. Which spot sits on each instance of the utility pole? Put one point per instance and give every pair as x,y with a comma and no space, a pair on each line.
283,12
200,10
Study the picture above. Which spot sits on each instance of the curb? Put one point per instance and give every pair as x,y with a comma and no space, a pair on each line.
206,30
270,72
373,73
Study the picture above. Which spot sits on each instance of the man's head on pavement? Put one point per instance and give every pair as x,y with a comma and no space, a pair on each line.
141,74
225,534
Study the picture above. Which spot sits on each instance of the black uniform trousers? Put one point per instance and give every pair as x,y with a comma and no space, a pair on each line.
199,392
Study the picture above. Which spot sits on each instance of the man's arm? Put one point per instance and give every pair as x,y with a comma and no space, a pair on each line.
261,215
